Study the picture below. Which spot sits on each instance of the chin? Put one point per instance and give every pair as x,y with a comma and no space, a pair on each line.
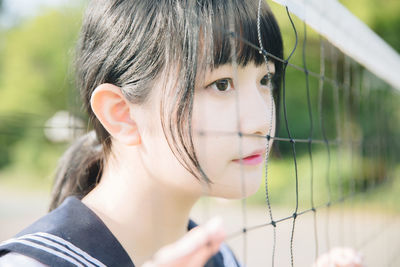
251,190
239,195
252,184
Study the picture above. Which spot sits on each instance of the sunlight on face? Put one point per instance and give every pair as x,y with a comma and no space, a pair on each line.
232,101
227,101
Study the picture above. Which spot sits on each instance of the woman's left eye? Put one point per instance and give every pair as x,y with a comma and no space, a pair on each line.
222,85
264,80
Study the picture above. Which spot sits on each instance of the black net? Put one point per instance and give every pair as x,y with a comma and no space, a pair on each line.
331,178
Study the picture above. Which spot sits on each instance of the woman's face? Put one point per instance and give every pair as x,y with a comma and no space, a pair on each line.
227,101
232,101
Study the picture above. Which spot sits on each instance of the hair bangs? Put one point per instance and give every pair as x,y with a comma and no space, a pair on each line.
233,27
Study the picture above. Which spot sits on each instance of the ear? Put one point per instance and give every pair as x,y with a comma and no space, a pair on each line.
114,112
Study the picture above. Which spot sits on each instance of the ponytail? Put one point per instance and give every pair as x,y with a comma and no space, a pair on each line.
79,169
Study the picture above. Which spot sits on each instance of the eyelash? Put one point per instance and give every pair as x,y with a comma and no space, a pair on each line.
229,83
268,77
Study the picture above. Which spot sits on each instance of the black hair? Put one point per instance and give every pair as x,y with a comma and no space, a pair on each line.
130,43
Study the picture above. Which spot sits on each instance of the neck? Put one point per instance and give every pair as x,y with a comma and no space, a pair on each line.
142,214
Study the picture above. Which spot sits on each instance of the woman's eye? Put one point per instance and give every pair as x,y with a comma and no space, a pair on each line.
264,80
222,85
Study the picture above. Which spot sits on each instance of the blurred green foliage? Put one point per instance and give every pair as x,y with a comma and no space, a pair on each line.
357,110
36,80
35,76
382,17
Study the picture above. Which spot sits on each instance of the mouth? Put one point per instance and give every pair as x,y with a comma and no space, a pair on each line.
255,158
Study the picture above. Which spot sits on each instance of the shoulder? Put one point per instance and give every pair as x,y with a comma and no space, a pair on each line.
16,259
71,235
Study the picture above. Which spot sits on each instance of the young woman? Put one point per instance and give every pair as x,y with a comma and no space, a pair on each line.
161,80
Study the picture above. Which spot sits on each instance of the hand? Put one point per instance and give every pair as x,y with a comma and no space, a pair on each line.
339,257
194,249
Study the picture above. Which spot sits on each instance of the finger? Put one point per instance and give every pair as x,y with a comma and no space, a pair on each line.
207,249
195,241
196,247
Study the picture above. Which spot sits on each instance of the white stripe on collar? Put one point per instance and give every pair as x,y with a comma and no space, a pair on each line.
59,243
72,247
46,249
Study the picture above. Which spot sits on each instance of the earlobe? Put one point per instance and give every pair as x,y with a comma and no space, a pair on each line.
113,111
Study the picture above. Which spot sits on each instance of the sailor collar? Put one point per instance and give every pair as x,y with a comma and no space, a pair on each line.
73,235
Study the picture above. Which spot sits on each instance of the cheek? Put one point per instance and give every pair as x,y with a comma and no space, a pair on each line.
236,183
217,143
213,120
159,160
214,135
213,154
166,170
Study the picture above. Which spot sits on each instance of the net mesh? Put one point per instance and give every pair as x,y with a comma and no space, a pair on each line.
332,179
331,182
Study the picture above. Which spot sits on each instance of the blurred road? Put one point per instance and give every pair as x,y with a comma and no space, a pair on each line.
376,236
19,209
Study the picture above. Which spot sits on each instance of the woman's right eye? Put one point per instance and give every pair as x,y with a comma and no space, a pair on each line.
222,85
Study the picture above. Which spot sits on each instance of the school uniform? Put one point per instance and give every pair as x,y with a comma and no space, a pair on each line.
73,235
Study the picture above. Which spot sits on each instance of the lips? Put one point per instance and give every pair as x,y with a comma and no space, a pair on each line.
254,158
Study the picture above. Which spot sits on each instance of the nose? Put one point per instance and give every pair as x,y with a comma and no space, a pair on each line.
257,112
